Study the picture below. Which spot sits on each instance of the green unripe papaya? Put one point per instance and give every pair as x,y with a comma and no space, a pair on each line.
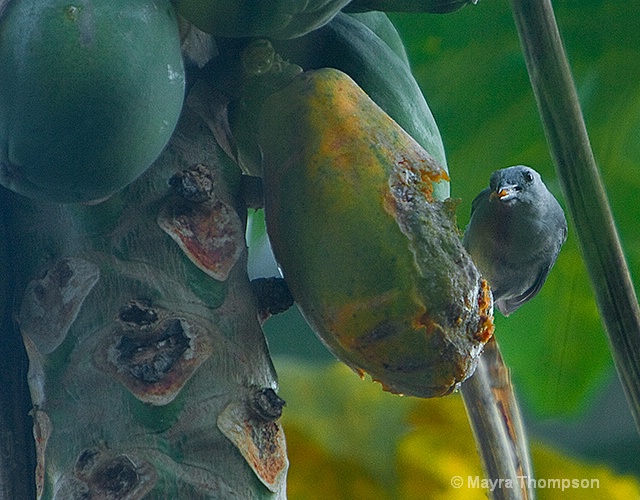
372,257
252,18
380,24
90,92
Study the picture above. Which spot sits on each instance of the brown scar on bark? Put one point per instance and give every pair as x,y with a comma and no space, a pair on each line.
210,234
51,304
102,473
260,440
154,360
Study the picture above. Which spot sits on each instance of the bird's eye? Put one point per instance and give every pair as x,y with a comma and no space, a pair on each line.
528,176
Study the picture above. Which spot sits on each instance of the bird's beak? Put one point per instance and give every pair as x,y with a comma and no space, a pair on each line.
504,193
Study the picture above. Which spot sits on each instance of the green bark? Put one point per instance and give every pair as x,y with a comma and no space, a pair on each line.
148,370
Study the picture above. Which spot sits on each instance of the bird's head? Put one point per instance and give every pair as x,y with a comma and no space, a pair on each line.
514,184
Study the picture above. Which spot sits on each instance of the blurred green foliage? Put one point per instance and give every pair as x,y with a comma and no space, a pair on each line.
346,439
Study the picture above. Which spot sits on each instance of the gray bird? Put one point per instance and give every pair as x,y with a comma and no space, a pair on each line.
514,236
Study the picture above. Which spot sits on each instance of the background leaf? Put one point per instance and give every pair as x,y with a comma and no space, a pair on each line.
348,440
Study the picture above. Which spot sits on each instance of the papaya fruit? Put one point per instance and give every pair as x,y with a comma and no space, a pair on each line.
257,18
371,254
380,24
90,93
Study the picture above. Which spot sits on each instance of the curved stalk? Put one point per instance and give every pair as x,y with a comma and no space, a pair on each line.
497,426
583,189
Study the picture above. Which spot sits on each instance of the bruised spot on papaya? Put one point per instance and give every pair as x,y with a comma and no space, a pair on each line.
426,323
386,330
349,321
413,366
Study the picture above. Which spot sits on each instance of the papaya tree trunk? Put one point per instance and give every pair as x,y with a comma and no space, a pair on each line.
498,428
149,374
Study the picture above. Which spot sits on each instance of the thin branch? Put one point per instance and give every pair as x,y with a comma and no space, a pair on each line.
582,186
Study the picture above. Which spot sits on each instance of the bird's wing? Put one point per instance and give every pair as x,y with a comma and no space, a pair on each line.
478,199
507,306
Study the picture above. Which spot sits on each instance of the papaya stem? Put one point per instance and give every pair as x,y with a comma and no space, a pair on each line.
497,426
583,189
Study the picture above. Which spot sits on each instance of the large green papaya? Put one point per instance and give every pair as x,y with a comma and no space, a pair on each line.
371,254
90,92
249,18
